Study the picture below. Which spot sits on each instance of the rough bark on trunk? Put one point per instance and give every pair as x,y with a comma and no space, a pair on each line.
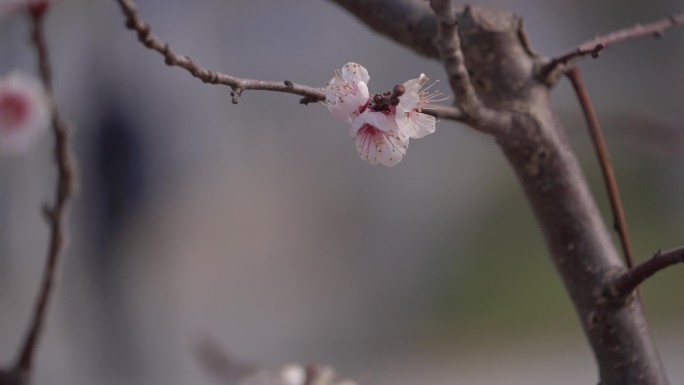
508,76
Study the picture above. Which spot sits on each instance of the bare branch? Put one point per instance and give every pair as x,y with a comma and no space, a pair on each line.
152,41
595,46
632,278
56,214
619,219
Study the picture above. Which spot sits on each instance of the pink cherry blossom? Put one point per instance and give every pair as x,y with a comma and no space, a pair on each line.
9,7
410,119
378,139
24,112
381,125
347,92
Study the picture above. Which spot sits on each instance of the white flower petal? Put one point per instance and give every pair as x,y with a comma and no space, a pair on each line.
416,125
379,120
411,97
380,147
353,73
345,98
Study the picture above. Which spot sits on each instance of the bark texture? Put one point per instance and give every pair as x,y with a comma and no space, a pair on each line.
504,70
509,78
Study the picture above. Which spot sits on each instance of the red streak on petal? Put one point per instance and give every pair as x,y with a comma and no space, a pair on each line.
14,108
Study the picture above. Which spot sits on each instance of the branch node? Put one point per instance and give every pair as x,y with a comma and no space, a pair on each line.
596,51
236,93
307,99
212,77
628,281
288,83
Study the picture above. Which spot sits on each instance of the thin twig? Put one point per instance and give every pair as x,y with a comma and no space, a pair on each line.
619,219
632,278
152,41
55,214
595,46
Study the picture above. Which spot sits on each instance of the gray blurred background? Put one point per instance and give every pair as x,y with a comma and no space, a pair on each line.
258,227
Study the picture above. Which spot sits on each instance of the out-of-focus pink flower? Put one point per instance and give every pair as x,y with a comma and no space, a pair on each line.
9,7
347,92
410,119
24,112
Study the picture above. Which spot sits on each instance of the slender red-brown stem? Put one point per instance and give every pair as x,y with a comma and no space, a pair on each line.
55,214
619,220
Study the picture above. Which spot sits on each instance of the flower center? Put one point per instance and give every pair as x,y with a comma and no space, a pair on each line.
386,101
13,110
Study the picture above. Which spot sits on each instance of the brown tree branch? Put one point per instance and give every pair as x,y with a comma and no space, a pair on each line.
449,46
407,22
152,41
630,280
238,85
609,178
55,214
595,46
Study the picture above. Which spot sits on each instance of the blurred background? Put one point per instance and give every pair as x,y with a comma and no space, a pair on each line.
257,227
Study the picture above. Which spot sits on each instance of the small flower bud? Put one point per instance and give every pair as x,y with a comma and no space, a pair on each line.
399,90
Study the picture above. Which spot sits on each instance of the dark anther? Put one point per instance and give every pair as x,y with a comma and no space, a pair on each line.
394,101
387,93
399,90
289,83
377,99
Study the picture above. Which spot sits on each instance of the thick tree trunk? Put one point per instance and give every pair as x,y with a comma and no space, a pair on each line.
506,73
580,246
